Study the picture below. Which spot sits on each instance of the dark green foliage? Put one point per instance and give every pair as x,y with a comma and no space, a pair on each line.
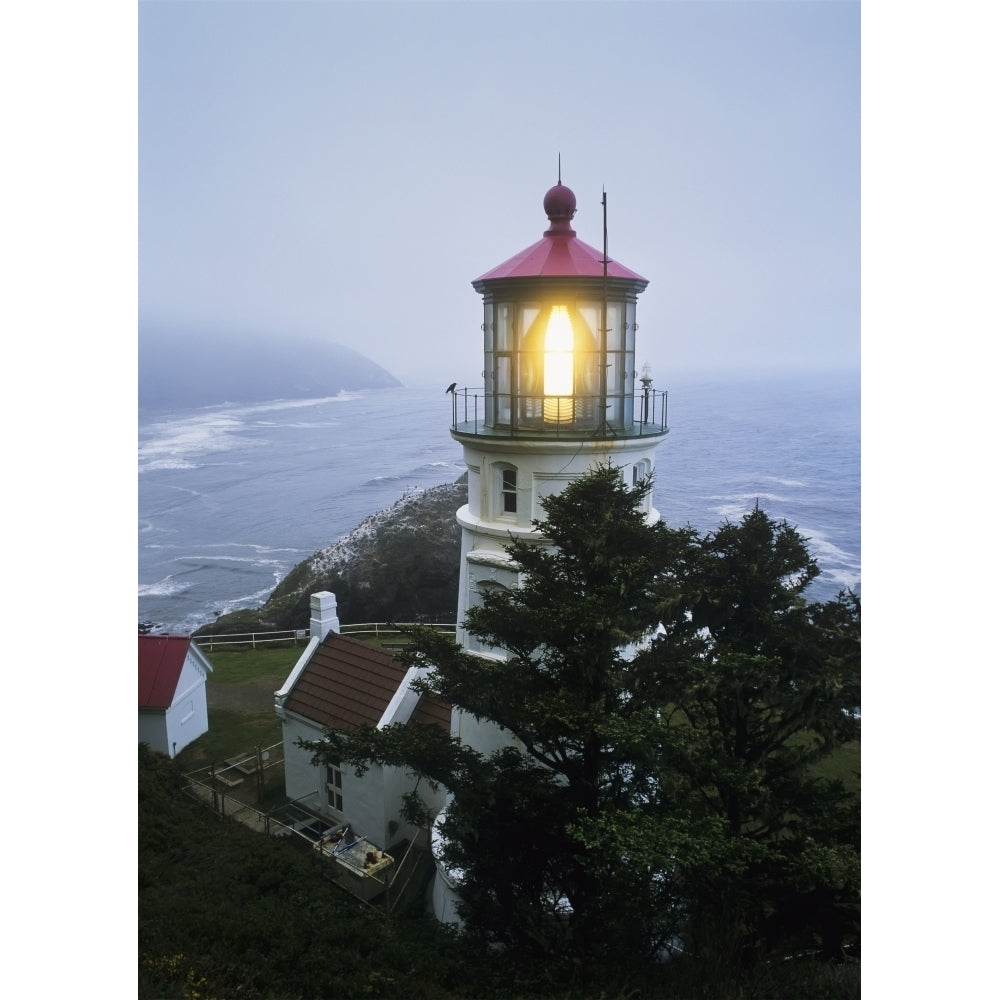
225,912
772,692
662,797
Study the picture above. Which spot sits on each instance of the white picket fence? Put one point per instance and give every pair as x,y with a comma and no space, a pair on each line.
380,631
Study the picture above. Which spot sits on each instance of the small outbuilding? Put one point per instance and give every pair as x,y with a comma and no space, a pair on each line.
173,702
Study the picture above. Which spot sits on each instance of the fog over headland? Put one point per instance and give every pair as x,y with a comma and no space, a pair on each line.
190,367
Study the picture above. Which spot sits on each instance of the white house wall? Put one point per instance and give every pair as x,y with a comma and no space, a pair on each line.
371,802
365,806
187,717
303,781
399,782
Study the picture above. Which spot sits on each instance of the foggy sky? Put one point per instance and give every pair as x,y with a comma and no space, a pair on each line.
344,170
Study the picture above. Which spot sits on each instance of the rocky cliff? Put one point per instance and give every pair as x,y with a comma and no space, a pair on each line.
400,564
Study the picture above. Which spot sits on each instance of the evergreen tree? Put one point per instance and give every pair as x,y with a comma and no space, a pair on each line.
655,789
774,690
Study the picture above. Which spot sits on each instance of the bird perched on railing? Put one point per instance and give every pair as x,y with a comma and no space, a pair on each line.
451,388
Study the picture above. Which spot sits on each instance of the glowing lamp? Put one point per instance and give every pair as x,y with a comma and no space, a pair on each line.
557,385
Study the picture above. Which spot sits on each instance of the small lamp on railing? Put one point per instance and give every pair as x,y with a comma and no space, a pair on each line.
646,378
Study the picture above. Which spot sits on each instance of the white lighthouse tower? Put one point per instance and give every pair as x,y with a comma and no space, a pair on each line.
560,396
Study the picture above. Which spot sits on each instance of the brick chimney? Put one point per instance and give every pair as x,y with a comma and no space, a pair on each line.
323,615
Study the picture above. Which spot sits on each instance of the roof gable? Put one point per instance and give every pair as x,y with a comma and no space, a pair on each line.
161,660
347,684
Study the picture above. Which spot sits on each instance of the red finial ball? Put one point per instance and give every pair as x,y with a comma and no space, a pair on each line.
559,203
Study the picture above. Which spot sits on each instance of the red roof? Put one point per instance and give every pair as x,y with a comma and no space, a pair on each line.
348,683
559,254
161,660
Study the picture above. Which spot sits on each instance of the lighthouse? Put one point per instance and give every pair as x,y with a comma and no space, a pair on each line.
560,395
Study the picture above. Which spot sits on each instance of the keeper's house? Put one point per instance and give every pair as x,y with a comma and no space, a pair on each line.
341,683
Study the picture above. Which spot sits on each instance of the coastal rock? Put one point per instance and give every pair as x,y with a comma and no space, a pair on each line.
400,564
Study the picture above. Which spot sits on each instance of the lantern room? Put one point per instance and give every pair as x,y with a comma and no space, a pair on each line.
559,324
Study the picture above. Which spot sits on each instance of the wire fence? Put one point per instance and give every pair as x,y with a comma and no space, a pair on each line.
232,789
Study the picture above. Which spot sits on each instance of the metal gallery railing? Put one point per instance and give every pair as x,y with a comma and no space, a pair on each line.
477,413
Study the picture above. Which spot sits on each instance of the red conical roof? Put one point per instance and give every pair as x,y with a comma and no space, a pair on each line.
559,254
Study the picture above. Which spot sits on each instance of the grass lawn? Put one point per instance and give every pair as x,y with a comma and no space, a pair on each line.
238,664
241,702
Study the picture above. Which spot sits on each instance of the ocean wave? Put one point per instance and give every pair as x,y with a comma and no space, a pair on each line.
174,444
797,483
379,480
167,587
420,472
227,606
732,511
750,498
843,579
826,551
281,405
171,464
261,550
203,561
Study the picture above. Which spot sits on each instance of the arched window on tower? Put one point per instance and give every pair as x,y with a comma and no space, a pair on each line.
505,491
640,471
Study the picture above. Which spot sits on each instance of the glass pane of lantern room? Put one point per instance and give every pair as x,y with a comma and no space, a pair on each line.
615,326
590,313
528,369
502,389
504,326
498,364
488,310
616,381
628,392
528,316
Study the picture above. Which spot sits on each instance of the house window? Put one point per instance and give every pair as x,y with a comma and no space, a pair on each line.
508,490
335,788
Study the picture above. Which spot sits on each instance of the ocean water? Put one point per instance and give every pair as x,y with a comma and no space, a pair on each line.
231,497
